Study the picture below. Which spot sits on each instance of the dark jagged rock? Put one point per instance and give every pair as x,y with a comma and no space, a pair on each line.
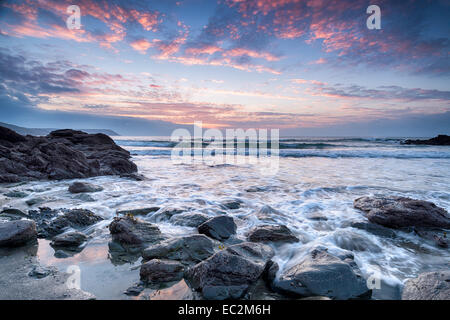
189,219
220,228
165,214
63,154
400,212
428,286
52,222
70,239
131,231
231,204
17,233
83,187
440,140
374,229
271,233
322,274
189,249
156,271
138,212
229,273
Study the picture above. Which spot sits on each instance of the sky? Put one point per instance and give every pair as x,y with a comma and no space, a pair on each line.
306,67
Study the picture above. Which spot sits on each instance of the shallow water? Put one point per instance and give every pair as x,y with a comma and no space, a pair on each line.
313,193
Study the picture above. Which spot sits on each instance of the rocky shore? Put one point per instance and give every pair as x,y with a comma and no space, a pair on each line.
63,154
214,264
217,259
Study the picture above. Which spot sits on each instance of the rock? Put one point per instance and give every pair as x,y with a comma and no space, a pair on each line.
189,219
52,222
16,194
13,214
374,229
440,140
70,239
399,212
138,212
39,272
323,274
189,249
229,273
268,214
352,241
156,271
231,204
34,201
131,231
428,286
63,154
83,187
271,233
165,214
133,176
179,291
220,228
440,241
135,290
17,233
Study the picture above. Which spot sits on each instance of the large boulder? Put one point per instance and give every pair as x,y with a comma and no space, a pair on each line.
156,271
83,187
220,228
189,249
428,286
17,233
321,273
229,273
399,212
63,154
271,233
132,231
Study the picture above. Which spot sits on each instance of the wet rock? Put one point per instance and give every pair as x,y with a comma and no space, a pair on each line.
231,204
156,271
428,286
352,241
83,187
63,154
132,231
268,214
135,290
179,291
432,234
13,214
271,233
399,212
189,249
229,273
220,228
133,176
138,212
52,222
16,194
441,242
374,229
39,272
17,233
189,219
35,201
165,214
440,140
70,239
322,274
